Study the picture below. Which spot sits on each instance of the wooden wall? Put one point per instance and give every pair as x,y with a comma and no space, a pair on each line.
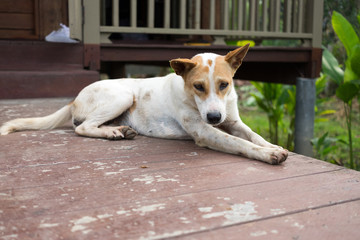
31,19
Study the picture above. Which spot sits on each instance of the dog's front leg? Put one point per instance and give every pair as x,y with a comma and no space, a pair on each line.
240,129
206,135
235,126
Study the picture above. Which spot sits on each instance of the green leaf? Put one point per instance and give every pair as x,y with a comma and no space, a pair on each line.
347,91
327,112
317,120
355,60
344,31
284,97
356,82
349,74
343,141
330,67
329,149
314,141
322,138
259,86
260,102
320,84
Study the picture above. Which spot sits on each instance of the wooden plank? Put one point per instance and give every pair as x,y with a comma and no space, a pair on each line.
301,16
240,14
115,13
322,223
75,19
136,52
278,64
225,15
281,65
17,34
56,185
151,13
167,14
289,15
92,56
133,15
17,21
51,14
182,14
212,15
174,215
17,6
34,84
197,14
252,19
42,69
59,55
277,15
265,17
132,155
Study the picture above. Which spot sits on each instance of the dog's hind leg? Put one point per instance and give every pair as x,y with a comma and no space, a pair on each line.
90,119
93,127
118,132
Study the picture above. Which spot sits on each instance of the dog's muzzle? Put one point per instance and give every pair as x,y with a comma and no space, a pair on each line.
213,117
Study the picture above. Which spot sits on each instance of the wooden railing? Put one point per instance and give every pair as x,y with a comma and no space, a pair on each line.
93,22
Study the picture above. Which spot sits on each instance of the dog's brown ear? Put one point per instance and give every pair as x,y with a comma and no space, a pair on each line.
235,57
182,66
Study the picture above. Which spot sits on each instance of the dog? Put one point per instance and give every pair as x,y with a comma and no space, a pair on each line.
198,101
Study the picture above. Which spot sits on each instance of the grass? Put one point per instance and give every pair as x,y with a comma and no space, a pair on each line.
257,120
336,127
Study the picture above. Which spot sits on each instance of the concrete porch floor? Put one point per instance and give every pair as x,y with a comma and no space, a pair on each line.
57,185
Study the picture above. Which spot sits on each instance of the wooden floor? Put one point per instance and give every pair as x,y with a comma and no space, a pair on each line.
56,185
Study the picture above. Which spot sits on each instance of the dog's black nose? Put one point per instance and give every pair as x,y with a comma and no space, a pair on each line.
213,117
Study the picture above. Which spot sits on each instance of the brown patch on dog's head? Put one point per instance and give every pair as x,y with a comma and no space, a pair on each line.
194,73
197,81
223,74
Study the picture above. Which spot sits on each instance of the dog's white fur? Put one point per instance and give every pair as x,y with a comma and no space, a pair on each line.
197,102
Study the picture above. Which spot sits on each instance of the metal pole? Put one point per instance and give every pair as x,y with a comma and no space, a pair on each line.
304,115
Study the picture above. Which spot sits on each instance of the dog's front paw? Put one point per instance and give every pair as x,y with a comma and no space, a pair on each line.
278,156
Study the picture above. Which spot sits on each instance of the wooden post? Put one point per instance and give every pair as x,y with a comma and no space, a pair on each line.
317,23
91,34
313,22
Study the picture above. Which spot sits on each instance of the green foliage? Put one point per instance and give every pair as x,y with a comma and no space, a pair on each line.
324,145
331,67
269,98
347,91
344,31
321,116
349,86
290,104
276,100
348,8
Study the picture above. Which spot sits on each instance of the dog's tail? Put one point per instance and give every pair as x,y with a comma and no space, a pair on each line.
51,121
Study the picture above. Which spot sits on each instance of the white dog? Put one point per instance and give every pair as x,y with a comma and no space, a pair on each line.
197,102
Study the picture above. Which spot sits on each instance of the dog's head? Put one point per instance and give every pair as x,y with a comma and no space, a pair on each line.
208,79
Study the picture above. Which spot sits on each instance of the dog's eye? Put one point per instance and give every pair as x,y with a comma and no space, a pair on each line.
199,87
223,85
